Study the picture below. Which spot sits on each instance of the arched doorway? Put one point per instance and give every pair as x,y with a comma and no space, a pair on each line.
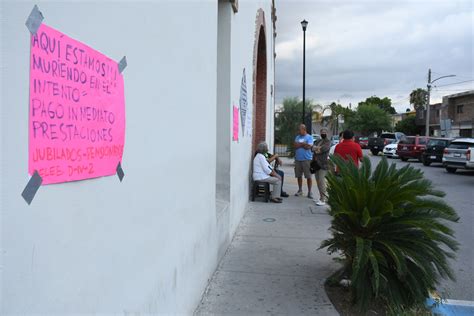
259,82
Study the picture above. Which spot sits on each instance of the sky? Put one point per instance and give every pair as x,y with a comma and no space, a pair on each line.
359,48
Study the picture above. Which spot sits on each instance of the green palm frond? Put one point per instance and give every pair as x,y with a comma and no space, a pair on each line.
392,229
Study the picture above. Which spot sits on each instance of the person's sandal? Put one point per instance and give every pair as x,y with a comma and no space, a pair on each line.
276,200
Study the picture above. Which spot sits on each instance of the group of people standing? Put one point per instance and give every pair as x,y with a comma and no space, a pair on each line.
310,158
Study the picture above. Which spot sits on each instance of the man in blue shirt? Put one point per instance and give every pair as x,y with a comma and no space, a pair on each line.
303,157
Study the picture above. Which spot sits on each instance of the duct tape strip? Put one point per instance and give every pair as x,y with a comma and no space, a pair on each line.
120,172
32,187
122,64
34,20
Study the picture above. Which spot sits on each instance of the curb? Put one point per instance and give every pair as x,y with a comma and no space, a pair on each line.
450,307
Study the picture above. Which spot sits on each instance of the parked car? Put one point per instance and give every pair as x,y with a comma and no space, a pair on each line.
334,140
411,147
434,150
316,137
377,144
363,142
391,150
459,155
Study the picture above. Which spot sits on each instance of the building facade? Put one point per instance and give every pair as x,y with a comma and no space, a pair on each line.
398,117
458,109
435,116
148,244
453,117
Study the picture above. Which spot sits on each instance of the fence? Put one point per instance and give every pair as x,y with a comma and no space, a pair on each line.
282,150
286,128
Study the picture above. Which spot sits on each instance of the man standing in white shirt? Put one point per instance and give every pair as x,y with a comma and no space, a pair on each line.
263,171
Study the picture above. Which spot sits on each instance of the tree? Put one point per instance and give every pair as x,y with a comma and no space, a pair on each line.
408,126
384,104
337,111
369,118
418,98
288,119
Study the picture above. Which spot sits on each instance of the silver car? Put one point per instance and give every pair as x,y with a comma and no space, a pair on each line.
459,155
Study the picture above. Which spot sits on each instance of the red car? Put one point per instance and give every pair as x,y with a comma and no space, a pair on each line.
363,142
411,147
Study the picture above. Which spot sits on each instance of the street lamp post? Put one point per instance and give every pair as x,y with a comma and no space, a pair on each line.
428,86
304,24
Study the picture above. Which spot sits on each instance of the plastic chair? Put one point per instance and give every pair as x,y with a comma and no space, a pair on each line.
261,187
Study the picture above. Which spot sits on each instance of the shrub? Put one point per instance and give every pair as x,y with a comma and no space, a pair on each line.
390,226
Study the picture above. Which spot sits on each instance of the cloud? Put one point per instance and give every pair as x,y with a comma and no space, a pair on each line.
355,49
288,49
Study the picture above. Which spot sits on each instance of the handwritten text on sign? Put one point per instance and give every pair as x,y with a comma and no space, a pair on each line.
77,109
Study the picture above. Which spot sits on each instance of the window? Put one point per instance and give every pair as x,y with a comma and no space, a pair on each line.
407,141
387,135
465,132
421,141
460,145
438,142
460,109
437,113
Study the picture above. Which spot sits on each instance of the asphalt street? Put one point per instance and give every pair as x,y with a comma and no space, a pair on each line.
459,189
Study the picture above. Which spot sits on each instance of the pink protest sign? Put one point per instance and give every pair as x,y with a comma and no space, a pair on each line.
76,112
235,123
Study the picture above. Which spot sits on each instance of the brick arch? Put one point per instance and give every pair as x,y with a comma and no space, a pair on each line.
259,81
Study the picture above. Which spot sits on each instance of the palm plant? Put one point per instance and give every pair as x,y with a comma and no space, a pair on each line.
332,119
337,111
390,226
418,98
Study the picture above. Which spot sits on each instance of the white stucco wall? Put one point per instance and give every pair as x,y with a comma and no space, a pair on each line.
146,244
243,24
150,243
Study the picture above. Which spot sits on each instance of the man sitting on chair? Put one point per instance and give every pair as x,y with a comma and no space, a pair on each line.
263,172
274,157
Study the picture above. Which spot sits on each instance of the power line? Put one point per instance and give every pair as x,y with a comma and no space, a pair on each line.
448,90
459,76
454,83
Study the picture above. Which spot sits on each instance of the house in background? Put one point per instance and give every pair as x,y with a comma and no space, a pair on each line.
149,244
459,109
435,115
319,121
397,117
454,117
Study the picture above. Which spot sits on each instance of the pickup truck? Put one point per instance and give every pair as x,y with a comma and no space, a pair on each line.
376,144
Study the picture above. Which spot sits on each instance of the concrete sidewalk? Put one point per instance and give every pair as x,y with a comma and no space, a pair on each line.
272,266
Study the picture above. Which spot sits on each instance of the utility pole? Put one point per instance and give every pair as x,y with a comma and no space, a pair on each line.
428,96
428,86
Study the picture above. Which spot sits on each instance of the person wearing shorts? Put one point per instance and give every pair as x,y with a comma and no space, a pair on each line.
303,157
